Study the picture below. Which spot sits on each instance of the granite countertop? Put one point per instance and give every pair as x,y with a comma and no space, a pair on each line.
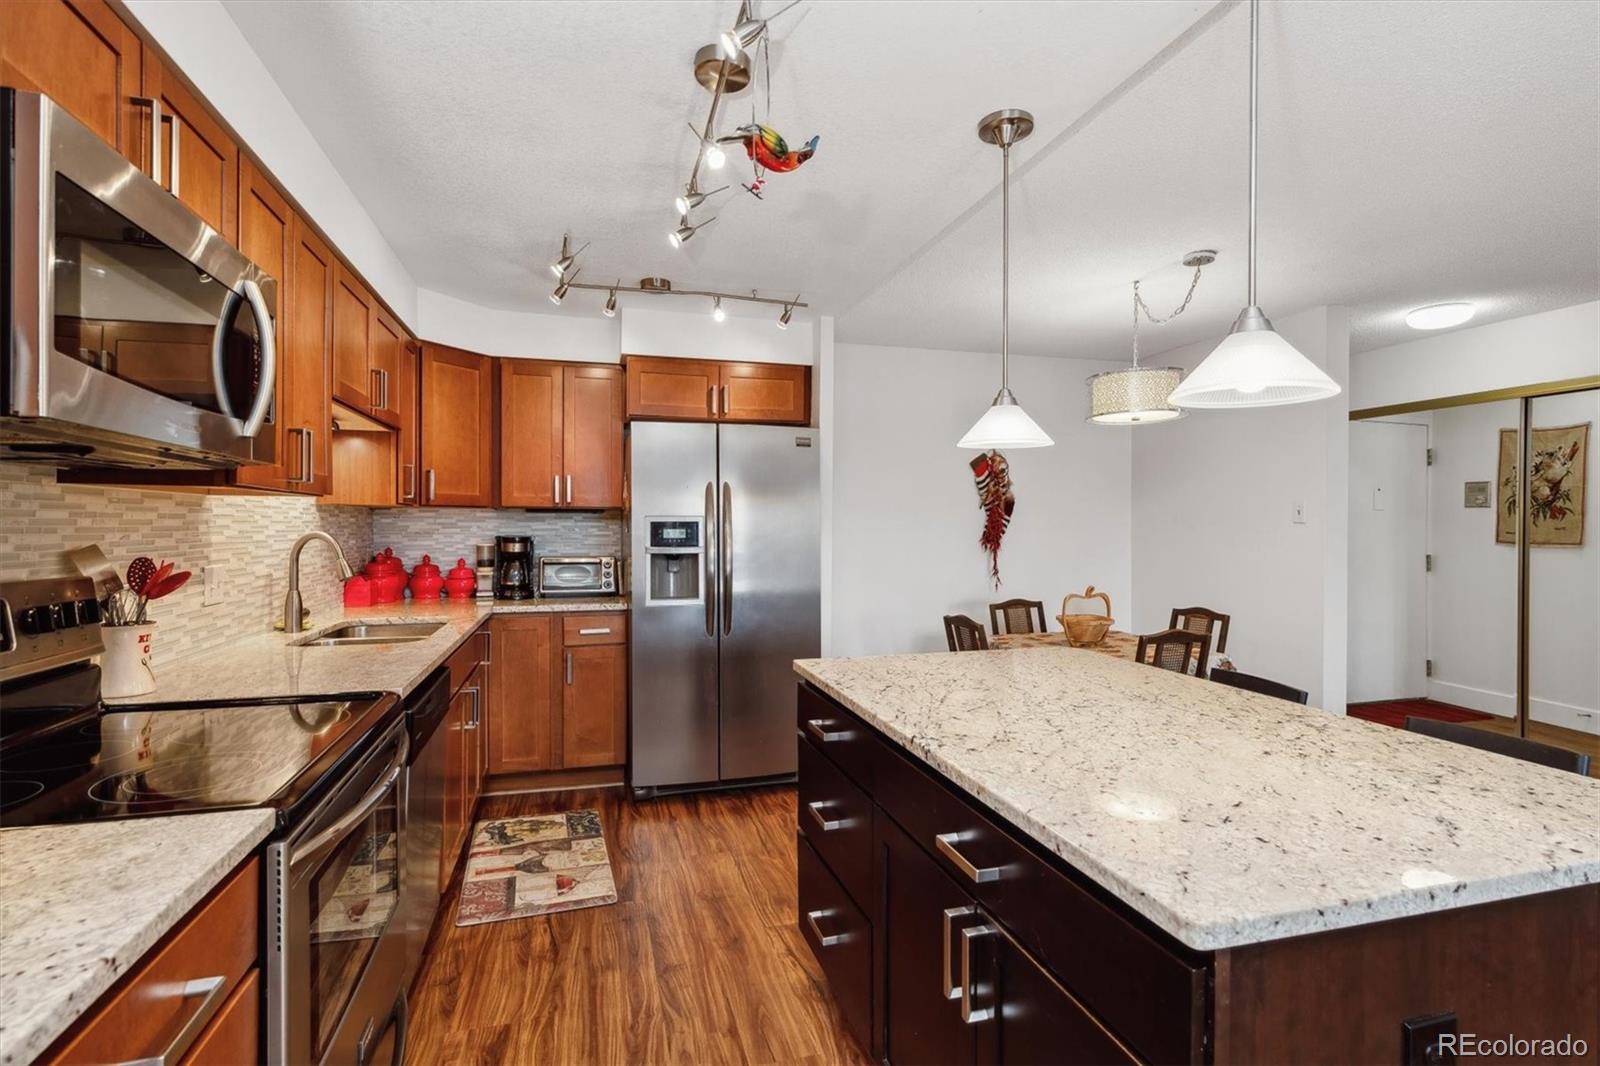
262,665
1223,816
80,904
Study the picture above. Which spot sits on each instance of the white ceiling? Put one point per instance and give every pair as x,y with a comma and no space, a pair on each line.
1411,153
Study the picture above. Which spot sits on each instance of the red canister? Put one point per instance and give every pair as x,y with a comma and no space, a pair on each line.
426,581
358,592
388,577
462,581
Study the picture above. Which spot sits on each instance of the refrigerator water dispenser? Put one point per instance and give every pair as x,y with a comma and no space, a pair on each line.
675,549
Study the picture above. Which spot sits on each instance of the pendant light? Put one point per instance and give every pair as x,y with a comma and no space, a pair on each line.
1005,424
1140,395
1253,366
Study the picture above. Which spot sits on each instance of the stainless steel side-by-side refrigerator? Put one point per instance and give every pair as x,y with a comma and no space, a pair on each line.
724,554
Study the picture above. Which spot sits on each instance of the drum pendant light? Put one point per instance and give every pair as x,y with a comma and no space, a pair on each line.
1253,366
1005,424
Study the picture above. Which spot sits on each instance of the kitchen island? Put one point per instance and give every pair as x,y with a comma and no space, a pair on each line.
1176,870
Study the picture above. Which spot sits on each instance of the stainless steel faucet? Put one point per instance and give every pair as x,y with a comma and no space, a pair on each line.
291,599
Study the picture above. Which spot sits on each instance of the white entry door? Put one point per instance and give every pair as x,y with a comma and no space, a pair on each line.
1388,557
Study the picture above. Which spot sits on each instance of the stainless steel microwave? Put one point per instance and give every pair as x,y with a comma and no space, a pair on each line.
136,336
577,575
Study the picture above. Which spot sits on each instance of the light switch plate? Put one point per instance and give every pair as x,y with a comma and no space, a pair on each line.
216,580
1298,514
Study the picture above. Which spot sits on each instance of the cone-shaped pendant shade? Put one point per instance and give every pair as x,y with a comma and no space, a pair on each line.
1005,425
1254,367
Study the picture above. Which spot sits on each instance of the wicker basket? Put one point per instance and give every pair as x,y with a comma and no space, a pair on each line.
1084,630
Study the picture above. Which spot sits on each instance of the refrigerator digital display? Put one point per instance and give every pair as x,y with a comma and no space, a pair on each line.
674,533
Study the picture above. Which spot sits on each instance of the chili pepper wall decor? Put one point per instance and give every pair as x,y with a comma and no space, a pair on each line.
996,499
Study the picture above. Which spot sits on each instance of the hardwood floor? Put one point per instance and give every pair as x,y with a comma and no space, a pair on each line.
698,961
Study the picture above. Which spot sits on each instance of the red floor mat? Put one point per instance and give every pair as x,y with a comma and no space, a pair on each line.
1394,712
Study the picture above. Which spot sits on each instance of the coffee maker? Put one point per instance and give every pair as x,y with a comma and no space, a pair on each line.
513,568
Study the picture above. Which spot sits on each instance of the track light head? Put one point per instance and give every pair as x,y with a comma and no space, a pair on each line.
684,231
693,198
717,313
742,36
788,313
568,258
560,292
716,158
610,309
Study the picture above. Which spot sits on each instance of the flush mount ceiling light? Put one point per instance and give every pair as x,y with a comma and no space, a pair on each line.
747,30
1440,316
1005,424
568,258
1140,395
1253,366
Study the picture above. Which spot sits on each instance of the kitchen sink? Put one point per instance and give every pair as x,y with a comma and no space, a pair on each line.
361,633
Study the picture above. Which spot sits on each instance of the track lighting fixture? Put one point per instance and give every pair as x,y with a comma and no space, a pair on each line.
747,30
692,198
685,231
717,313
656,286
610,309
561,289
568,258
788,313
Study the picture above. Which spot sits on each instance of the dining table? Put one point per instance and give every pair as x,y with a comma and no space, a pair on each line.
1115,643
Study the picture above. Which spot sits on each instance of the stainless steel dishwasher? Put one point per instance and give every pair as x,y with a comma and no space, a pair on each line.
424,805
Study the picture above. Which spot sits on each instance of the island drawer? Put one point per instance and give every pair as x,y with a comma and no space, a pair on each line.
840,938
838,735
836,818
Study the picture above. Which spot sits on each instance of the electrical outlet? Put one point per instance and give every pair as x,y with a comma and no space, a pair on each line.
1297,514
216,582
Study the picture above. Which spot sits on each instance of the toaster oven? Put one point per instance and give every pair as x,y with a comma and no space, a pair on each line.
577,575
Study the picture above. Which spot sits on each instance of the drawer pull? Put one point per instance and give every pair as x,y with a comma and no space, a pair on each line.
819,728
209,991
597,631
968,1014
951,991
946,843
825,824
827,940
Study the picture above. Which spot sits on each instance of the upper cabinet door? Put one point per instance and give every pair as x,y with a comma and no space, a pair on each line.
266,237
199,160
309,383
530,433
82,56
457,428
352,341
388,337
408,492
682,389
591,447
765,392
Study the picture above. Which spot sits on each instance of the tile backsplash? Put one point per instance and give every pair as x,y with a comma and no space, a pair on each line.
452,533
249,537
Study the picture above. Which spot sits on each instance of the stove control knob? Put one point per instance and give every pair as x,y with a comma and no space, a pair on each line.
88,612
35,621
64,616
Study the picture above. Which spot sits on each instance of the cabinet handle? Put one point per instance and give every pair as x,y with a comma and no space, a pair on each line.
155,134
818,727
177,126
725,406
209,991
383,379
488,648
304,476
555,488
411,481
311,455
472,723
949,986
827,940
430,485
711,401
968,1014
946,844
569,489
827,825
595,632
569,667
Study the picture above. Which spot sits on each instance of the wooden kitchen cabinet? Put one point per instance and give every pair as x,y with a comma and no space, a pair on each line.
523,734
266,237
409,411
199,159
677,389
594,705
457,428
464,757
593,404
531,412
388,341
308,350
81,55
352,340
702,390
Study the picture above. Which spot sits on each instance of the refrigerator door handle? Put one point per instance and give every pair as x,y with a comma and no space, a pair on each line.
725,552
710,562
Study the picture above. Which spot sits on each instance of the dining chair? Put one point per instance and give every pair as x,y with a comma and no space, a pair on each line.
965,634
1202,620
1516,747
1252,683
1179,650
1017,616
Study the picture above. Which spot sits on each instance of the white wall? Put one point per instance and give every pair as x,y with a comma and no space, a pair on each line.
520,334
1213,498
745,334
1551,346
904,506
207,46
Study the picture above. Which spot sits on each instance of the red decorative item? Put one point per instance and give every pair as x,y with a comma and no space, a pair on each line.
164,582
462,581
358,592
140,571
388,577
426,581
997,500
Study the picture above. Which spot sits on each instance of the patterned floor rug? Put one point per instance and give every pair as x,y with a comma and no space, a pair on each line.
538,864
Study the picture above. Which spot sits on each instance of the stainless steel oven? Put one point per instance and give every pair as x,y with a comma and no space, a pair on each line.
577,575
135,334
336,946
